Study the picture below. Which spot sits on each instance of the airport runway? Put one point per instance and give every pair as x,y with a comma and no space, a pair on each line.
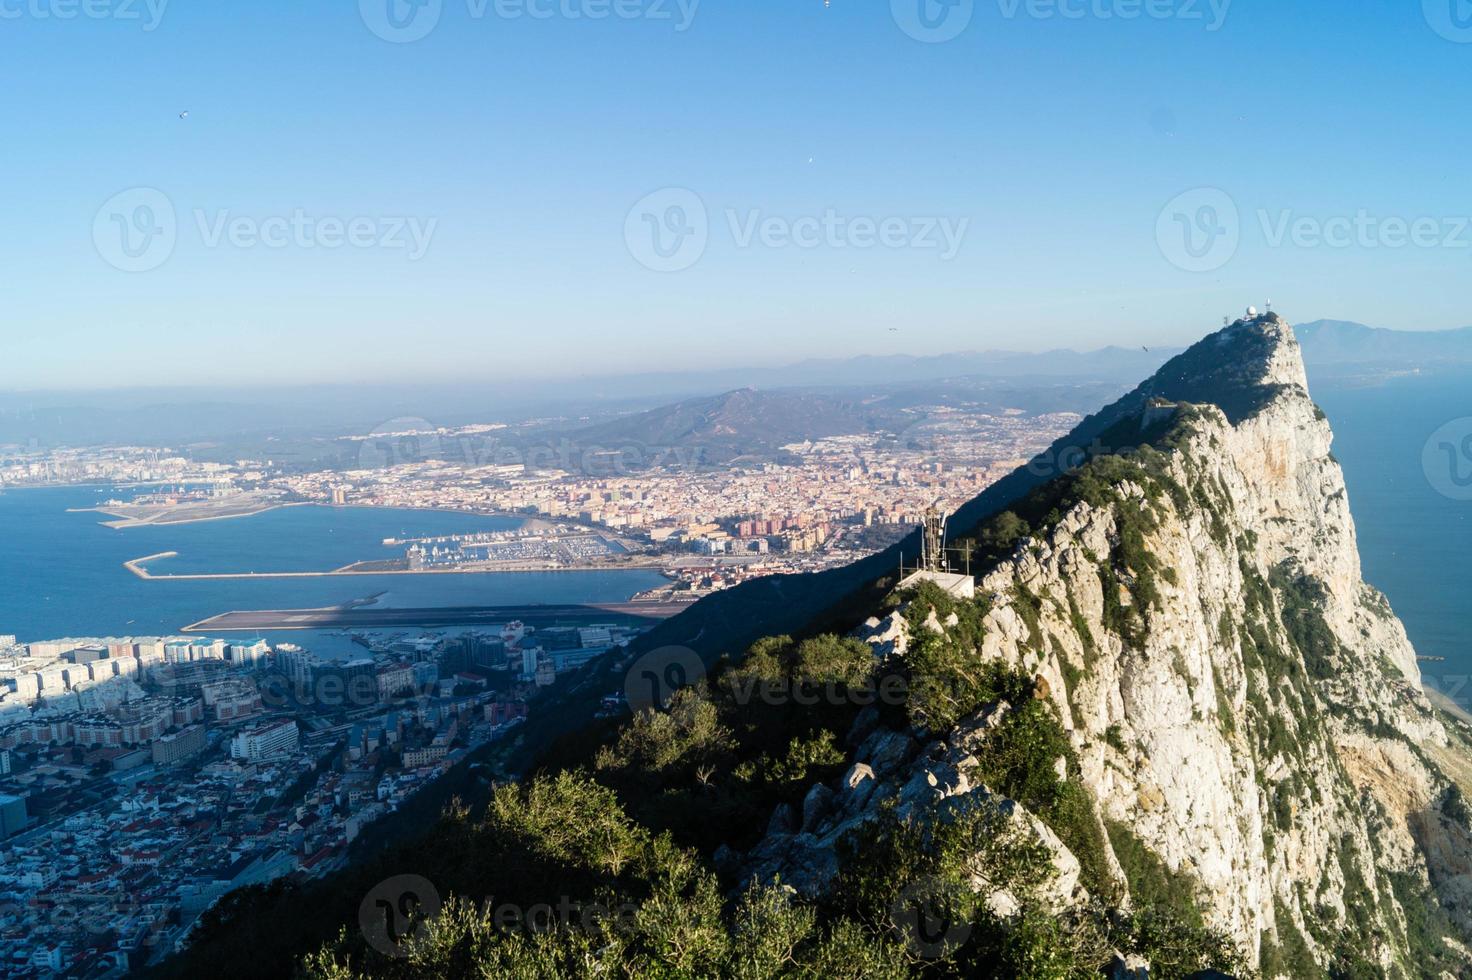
367,618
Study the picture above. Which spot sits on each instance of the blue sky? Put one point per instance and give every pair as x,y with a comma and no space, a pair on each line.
518,145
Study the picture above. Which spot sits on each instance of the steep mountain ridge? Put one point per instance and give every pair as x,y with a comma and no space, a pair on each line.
1173,726
1242,705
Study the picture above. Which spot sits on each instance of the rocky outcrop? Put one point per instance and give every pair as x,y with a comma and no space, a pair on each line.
1237,696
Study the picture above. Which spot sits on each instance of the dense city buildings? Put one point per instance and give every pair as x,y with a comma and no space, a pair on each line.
143,778
135,795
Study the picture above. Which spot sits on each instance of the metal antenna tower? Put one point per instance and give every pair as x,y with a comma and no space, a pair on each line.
934,541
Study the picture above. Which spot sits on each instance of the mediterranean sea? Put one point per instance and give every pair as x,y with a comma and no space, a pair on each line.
1414,519
62,574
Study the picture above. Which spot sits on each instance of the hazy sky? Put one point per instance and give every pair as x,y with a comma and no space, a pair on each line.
827,154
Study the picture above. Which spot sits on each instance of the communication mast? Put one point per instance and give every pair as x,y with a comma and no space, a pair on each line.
933,541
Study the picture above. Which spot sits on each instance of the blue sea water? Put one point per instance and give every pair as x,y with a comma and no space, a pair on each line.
61,573
1415,540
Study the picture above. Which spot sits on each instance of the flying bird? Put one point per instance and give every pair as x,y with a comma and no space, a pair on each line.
184,114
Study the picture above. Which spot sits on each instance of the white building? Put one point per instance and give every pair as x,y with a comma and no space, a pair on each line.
51,958
250,654
266,742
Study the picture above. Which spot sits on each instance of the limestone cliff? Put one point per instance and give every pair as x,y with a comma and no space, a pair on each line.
1241,704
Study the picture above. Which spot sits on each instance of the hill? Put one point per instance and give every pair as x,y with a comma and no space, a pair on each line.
1341,344
757,423
1172,730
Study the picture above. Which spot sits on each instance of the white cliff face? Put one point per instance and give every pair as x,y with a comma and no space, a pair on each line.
1248,707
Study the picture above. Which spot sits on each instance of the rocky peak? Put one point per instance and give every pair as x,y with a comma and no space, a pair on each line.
1243,707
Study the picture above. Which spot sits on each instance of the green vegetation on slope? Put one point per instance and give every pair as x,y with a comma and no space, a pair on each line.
636,831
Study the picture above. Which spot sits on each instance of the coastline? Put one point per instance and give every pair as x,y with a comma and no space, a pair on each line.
137,567
123,522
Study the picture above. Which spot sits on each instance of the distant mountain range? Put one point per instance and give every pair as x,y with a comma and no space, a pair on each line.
1106,364
823,398
1340,343
1325,342
254,422
749,421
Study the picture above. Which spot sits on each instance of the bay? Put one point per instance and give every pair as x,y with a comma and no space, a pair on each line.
62,574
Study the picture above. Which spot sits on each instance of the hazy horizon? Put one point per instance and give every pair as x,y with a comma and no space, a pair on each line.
461,376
